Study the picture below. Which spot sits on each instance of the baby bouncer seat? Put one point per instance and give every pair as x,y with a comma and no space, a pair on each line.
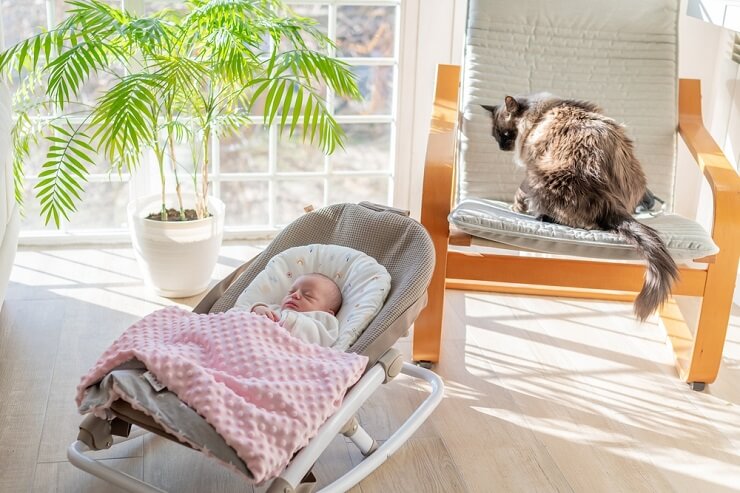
395,241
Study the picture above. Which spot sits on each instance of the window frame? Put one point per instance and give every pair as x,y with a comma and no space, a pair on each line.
145,180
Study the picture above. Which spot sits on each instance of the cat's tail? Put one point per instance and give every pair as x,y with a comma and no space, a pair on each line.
661,269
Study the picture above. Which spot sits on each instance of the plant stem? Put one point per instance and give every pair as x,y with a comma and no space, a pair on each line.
174,169
206,163
160,162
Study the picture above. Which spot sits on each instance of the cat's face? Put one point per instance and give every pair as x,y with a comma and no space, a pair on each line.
505,120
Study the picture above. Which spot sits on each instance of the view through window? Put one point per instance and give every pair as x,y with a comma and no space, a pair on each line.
264,179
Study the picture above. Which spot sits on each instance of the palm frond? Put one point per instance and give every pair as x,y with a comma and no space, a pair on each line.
229,52
22,136
126,117
73,67
95,18
179,130
229,123
30,53
298,103
151,35
180,74
313,67
65,168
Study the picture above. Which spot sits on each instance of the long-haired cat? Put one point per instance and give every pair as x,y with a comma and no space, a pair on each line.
581,171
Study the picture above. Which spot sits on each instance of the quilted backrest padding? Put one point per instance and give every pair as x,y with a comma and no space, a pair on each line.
621,55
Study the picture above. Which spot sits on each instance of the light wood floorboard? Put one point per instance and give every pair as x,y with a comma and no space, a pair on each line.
542,394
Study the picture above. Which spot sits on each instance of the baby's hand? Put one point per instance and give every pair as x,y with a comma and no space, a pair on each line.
266,312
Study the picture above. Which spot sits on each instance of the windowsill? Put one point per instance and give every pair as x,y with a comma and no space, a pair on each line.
723,13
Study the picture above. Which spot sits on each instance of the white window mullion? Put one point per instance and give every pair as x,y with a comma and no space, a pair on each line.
332,3
372,61
271,173
331,33
215,176
51,15
394,105
2,29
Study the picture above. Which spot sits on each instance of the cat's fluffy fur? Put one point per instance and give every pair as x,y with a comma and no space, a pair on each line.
581,171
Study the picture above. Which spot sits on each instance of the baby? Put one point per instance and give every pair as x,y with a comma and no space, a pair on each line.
308,310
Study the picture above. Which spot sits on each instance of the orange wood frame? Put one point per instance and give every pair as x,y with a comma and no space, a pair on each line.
698,354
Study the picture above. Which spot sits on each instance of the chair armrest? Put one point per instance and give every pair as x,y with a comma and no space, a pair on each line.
719,172
436,197
722,177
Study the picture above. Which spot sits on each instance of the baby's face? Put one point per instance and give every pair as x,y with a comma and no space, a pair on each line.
309,293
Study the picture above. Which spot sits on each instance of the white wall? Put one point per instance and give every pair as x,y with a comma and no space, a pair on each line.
433,34
705,53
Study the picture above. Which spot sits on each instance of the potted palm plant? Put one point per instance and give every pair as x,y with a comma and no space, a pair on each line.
183,76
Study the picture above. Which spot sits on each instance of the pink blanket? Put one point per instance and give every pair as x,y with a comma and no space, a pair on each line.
264,391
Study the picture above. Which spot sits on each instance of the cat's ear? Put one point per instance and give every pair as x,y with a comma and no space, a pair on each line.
490,108
511,104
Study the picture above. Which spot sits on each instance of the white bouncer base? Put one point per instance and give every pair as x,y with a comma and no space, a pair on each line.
304,460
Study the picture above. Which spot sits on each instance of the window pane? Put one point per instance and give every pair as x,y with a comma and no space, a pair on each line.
31,208
186,161
365,31
38,153
246,202
37,156
98,83
367,147
291,196
246,150
151,6
295,155
317,12
355,189
61,7
376,86
22,19
103,206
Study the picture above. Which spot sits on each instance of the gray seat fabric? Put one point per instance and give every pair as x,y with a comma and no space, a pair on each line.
493,220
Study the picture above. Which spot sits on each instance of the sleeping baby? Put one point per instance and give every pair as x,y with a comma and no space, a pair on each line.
307,311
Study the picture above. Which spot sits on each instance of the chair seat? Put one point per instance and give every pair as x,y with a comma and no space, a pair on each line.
496,221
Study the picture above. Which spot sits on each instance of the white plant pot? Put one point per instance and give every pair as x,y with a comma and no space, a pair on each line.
176,257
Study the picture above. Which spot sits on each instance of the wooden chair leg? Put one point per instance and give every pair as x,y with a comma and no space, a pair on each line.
698,355
428,326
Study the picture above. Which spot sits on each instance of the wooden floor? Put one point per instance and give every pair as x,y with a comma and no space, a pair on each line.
541,394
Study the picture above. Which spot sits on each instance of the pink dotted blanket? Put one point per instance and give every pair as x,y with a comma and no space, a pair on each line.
265,392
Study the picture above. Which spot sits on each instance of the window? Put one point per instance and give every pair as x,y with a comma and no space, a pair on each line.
264,179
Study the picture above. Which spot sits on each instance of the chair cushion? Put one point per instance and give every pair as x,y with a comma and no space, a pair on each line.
493,220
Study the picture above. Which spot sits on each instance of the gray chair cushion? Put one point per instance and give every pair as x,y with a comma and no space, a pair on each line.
493,220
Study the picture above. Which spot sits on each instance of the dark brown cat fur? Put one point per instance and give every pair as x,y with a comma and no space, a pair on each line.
581,171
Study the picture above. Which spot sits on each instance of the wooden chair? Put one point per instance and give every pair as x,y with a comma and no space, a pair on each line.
698,354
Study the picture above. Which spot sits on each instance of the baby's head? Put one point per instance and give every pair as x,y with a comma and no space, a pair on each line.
313,292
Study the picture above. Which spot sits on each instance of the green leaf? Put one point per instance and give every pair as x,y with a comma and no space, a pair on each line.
285,110
297,110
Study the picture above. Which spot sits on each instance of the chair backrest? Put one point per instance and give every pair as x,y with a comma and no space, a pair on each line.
621,55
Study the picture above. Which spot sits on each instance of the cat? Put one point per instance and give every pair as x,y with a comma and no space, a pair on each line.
581,171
